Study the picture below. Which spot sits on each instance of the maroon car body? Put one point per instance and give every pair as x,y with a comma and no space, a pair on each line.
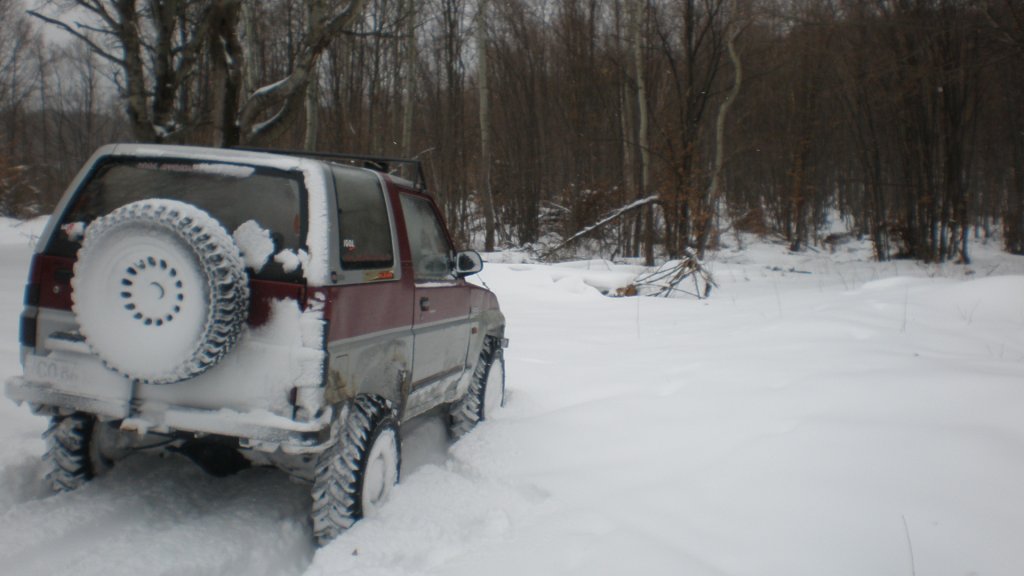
346,295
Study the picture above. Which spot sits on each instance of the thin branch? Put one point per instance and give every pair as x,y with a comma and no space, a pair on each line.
373,34
94,29
95,47
98,9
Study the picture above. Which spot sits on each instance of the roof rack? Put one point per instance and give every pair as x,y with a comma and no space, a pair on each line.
377,163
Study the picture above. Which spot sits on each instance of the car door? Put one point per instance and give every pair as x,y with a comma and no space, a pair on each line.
441,327
370,339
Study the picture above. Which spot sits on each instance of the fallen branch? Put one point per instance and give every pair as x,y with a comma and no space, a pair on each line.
610,217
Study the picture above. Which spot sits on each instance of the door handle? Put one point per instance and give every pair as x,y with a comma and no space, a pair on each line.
425,304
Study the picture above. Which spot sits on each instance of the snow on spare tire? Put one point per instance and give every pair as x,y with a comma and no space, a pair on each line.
159,290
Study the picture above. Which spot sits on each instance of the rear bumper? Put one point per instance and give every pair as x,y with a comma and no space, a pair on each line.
257,429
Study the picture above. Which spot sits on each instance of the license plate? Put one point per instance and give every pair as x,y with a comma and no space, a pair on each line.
50,370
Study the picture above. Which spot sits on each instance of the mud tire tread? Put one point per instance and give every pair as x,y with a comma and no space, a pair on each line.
337,485
469,411
67,452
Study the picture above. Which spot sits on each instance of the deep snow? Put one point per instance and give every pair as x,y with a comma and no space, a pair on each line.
820,414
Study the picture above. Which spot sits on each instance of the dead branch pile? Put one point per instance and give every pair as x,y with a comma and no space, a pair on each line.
676,276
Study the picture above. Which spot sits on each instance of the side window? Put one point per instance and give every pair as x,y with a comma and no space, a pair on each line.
364,227
431,253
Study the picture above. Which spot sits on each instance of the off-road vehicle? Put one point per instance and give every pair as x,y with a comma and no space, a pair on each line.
290,309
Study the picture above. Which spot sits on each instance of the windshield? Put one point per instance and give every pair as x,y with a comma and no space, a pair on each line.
231,193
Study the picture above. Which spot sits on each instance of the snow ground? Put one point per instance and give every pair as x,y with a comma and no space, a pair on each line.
820,414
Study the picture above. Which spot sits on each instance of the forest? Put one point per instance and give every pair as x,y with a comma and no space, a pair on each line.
621,128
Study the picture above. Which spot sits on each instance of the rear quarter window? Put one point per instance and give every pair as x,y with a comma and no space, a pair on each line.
364,227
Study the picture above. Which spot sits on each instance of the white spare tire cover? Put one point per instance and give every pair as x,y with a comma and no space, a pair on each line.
159,290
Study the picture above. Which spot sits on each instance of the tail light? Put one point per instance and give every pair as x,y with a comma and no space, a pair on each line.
27,328
51,276
32,294
27,331
32,288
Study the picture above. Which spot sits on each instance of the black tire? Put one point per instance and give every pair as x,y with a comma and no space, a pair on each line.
486,391
346,472
72,453
159,275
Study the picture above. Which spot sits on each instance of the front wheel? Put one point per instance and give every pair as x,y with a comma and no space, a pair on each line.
486,392
354,477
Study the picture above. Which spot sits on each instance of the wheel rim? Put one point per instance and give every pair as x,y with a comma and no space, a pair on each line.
494,390
381,471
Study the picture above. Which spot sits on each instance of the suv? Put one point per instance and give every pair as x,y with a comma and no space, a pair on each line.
253,307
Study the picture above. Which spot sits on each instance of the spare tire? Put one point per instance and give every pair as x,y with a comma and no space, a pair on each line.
159,290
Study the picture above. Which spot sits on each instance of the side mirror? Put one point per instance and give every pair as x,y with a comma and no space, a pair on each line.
468,263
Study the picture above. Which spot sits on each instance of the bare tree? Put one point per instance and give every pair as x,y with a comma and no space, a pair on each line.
226,63
484,94
17,78
1006,21
901,117
410,61
643,119
20,62
710,203
266,112
154,49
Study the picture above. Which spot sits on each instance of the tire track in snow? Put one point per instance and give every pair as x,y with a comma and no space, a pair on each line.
154,515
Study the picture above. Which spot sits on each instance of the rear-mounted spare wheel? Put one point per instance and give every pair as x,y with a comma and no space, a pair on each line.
159,291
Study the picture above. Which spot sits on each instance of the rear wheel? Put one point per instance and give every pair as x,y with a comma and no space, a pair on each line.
354,477
74,451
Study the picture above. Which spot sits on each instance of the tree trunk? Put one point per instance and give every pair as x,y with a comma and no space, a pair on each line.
312,91
706,222
135,74
225,73
483,84
409,81
645,152
629,178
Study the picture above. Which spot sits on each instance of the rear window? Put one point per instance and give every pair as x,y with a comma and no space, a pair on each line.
231,193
